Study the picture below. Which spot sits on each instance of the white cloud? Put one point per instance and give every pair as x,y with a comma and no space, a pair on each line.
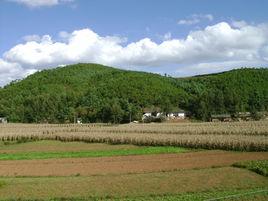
195,19
40,3
64,35
12,71
215,48
239,24
167,36
214,67
34,37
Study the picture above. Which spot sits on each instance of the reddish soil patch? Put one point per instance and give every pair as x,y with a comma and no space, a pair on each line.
125,164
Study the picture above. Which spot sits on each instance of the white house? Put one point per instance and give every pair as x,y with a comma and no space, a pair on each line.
3,120
176,115
146,115
171,115
79,121
181,115
149,112
156,112
159,114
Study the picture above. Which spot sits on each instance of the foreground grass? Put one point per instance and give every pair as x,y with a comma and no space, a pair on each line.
91,153
176,185
259,166
257,194
57,146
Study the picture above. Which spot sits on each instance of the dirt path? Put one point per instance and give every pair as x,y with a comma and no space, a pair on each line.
125,164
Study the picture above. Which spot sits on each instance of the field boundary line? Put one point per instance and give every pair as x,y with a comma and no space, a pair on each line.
236,195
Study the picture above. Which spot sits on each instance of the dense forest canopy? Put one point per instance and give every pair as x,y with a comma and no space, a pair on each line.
242,90
97,93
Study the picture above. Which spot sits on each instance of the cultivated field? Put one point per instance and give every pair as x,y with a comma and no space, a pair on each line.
170,161
243,136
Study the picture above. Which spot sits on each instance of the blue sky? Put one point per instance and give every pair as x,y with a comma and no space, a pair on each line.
35,33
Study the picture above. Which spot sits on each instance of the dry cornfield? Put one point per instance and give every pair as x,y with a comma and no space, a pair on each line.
243,136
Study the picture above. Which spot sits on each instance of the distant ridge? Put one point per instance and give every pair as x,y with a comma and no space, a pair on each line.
223,72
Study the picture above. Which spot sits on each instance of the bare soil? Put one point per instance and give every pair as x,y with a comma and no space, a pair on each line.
125,164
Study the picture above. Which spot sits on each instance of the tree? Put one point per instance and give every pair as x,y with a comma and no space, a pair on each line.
116,111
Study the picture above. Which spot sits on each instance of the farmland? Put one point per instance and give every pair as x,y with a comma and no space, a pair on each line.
167,161
243,136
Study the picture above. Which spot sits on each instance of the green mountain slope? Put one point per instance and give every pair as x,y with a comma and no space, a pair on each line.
98,93
230,92
93,92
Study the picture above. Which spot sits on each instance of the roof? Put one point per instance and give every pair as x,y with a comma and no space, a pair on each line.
151,109
177,111
158,109
220,116
244,114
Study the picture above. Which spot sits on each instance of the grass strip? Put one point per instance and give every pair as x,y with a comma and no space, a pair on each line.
258,166
230,195
83,154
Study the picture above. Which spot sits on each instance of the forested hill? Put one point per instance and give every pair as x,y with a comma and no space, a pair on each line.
240,90
98,93
90,91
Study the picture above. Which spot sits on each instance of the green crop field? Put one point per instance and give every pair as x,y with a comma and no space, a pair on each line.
135,150
259,166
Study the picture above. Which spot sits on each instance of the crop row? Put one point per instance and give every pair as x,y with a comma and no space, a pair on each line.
230,128
232,142
244,136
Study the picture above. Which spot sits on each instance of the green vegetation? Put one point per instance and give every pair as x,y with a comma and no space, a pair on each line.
2,184
175,185
259,166
58,146
228,183
232,195
228,92
81,154
92,92
98,93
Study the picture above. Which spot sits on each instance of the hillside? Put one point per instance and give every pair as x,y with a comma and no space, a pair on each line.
98,93
239,90
93,92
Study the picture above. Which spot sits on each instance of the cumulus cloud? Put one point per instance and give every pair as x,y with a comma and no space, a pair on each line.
195,19
12,71
40,3
214,48
34,37
167,36
239,24
217,66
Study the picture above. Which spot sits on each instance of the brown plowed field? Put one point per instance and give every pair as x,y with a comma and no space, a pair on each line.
124,164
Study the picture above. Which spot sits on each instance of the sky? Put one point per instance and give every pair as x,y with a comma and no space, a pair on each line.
176,37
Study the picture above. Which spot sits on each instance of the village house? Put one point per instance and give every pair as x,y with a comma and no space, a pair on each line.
239,116
3,120
146,114
221,117
247,116
151,112
244,116
79,120
176,115
156,112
